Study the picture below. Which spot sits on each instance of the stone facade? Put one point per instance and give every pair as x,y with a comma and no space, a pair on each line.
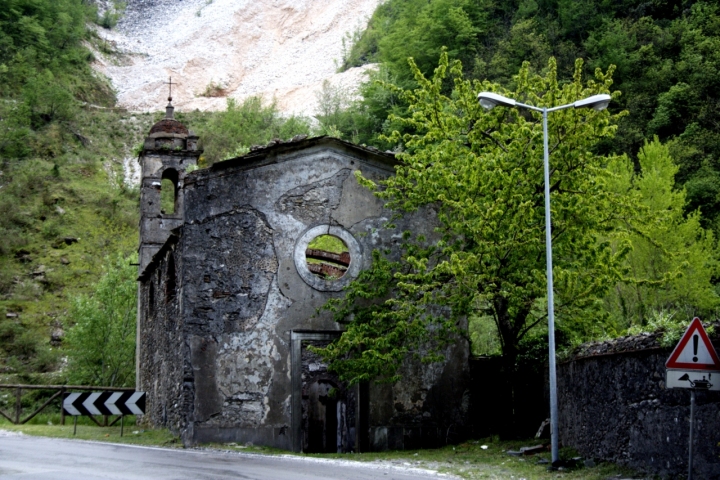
228,304
614,406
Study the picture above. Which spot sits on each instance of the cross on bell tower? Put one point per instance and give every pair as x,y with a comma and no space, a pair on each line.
168,150
169,110
169,83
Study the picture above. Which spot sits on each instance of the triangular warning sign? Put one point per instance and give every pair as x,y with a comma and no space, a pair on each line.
694,350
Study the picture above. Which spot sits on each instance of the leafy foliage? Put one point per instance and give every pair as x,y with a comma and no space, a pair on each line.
237,128
665,322
60,214
328,243
44,73
101,345
359,119
666,55
673,259
482,172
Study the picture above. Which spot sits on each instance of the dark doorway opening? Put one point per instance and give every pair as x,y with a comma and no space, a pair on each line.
328,407
322,419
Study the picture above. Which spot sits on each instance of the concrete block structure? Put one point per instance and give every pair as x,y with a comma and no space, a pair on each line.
229,289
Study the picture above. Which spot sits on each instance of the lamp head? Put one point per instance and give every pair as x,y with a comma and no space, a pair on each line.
489,100
597,102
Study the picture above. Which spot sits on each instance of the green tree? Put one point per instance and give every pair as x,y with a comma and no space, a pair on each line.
47,102
667,55
101,344
483,174
424,27
44,71
240,126
673,259
334,113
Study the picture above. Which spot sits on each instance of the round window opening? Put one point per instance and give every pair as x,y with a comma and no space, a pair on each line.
328,257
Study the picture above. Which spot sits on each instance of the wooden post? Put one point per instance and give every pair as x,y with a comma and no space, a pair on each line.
18,404
40,408
62,408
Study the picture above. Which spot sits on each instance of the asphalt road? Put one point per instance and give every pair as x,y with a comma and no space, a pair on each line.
25,457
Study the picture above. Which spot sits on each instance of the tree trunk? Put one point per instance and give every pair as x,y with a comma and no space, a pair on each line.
509,428
509,370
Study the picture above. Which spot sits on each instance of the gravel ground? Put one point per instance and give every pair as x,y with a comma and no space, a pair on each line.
219,49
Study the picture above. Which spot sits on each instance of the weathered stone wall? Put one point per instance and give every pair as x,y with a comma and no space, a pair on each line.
613,405
164,376
428,408
241,295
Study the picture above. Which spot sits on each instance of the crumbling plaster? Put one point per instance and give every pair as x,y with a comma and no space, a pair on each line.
241,295
290,196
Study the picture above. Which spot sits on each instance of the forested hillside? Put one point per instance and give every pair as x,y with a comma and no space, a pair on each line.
65,202
661,60
68,201
666,53
69,205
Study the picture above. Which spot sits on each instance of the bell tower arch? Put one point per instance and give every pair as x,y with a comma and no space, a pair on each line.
169,149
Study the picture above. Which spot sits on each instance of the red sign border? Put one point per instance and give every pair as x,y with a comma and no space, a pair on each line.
672,362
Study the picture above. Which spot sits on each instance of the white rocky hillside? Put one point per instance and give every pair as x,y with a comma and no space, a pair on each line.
218,49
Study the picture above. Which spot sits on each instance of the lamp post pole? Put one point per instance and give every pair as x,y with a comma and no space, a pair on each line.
489,100
550,297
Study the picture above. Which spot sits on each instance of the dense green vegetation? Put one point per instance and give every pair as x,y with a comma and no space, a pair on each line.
618,235
664,59
636,250
630,251
65,202
101,344
231,133
69,206
44,75
62,215
666,54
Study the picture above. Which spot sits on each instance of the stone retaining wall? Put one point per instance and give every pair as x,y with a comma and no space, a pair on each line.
613,406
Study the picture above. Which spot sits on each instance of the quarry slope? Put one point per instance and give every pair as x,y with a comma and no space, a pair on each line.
219,49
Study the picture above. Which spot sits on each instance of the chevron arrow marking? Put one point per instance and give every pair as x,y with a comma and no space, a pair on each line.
136,403
110,403
89,404
68,404
105,403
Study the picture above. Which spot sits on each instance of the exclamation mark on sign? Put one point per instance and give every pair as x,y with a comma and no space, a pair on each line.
695,345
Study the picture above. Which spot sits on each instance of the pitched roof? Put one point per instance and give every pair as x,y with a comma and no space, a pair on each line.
267,154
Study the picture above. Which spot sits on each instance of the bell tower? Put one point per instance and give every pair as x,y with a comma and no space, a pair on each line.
169,149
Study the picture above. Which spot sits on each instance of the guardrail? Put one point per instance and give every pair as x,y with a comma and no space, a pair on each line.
61,391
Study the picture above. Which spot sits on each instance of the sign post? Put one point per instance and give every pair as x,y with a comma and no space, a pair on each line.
692,365
104,403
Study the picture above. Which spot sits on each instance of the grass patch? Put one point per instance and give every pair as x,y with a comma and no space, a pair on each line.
467,460
328,243
49,426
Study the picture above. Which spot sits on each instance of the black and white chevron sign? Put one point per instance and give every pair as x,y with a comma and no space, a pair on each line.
105,403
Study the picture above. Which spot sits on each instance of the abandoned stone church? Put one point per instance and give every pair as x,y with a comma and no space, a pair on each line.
231,279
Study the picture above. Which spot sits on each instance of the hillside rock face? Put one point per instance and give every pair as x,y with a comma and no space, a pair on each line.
219,49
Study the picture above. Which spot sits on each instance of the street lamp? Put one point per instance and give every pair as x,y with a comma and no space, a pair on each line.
489,100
